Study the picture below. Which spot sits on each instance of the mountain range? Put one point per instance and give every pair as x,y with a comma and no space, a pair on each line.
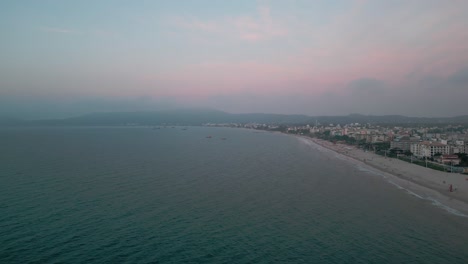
203,116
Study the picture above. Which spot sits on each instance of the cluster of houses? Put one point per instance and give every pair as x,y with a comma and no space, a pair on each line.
440,144
441,150
367,133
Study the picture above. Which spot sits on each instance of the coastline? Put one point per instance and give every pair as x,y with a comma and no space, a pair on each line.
422,182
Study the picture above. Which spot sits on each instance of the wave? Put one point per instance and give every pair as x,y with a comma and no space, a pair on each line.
445,207
414,193
388,177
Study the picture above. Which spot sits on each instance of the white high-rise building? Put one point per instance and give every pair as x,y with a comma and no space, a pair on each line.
429,149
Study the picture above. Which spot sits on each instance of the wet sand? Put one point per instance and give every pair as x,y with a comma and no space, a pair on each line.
431,184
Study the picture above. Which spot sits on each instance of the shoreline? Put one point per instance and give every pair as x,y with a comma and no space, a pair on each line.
423,182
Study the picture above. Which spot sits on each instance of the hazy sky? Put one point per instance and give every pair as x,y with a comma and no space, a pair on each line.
60,58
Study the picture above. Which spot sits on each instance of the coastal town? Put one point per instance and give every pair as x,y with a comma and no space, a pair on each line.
442,147
429,160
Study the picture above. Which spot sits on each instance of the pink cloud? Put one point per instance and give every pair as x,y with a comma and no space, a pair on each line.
328,56
433,42
248,28
260,27
221,78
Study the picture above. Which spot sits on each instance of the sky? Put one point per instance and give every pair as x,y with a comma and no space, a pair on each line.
63,58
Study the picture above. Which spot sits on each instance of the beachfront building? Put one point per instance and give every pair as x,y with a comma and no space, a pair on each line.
378,138
463,149
458,149
448,159
429,149
403,143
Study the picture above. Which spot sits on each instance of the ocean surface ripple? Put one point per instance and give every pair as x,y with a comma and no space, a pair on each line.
172,195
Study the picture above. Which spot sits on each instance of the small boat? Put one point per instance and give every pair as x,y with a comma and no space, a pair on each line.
208,137
223,138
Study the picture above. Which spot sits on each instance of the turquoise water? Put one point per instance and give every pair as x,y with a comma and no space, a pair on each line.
138,195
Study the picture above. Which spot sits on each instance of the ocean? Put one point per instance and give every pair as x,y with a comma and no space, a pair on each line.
176,195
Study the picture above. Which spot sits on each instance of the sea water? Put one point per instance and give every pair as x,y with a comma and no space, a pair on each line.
176,195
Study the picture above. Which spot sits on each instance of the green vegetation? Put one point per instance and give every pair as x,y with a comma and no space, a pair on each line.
382,145
379,146
423,163
300,132
435,131
463,159
383,148
347,139
456,129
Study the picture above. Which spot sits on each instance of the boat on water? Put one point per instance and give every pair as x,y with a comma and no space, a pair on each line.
208,136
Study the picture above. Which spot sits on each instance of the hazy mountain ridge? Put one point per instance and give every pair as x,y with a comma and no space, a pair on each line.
199,117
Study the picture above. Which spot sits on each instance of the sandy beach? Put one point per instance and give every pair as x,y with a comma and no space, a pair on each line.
424,182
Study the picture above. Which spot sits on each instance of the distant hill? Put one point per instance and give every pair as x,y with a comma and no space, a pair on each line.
175,117
393,119
202,116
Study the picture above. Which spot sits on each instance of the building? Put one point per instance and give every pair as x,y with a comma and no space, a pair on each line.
403,143
457,148
429,149
448,159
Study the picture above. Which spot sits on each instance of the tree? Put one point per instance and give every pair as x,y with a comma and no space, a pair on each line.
382,145
396,151
463,159
351,140
408,153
